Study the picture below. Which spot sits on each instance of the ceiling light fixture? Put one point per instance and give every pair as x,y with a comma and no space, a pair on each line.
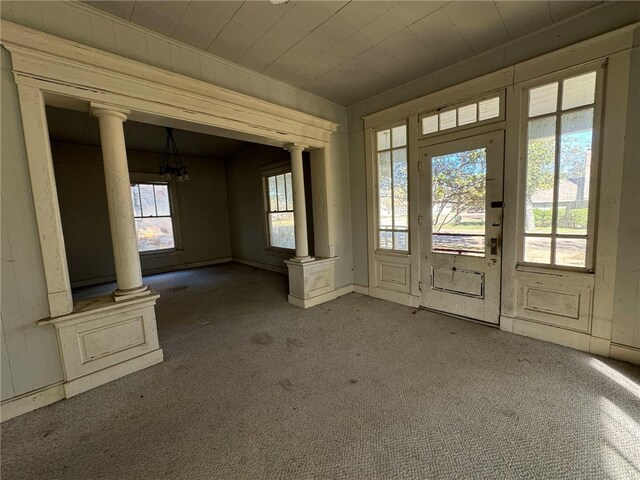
172,166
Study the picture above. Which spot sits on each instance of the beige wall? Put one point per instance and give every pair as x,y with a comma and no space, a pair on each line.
30,358
201,206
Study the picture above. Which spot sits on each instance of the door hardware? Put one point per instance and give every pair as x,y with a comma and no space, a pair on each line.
494,246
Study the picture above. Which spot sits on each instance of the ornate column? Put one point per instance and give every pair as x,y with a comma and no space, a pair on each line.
299,207
123,230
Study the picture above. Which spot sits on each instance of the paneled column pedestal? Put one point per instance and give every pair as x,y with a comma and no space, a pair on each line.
104,339
311,282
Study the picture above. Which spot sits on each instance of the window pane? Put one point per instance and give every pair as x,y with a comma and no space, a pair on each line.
282,199
400,189
384,139
135,198
289,188
575,171
541,151
461,244
537,250
458,201
401,241
430,124
447,119
148,200
384,190
281,228
386,240
489,108
543,99
578,91
467,114
399,136
154,233
571,252
273,194
162,199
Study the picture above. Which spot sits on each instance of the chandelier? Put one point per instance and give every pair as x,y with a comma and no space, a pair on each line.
172,166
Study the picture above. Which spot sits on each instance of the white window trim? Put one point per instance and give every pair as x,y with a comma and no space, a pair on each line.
266,172
376,186
598,106
140,177
448,107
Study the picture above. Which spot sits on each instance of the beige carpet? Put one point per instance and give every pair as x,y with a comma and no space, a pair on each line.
253,388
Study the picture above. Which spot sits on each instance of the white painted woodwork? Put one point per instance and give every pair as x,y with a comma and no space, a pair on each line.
463,284
299,203
102,336
118,187
571,308
311,282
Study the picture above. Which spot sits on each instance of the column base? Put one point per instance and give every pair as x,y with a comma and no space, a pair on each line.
311,282
121,295
302,259
102,340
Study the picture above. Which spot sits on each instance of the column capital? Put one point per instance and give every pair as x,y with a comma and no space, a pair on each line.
101,110
293,147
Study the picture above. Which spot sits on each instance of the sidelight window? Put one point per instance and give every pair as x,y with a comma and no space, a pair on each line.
393,189
561,130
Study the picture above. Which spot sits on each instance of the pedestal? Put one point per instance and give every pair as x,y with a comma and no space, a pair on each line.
311,282
102,340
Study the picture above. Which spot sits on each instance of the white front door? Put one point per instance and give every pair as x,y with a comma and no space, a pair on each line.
461,226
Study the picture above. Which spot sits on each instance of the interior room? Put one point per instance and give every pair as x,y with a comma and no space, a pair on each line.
320,239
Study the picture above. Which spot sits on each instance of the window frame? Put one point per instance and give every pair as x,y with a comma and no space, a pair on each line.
599,67
376,176
455,106
267,172
136,178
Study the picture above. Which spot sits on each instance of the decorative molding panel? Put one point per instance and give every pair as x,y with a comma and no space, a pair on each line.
466,282
102,340
553,297
393,276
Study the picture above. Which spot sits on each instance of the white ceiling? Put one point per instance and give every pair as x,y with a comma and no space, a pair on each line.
71,126
344,51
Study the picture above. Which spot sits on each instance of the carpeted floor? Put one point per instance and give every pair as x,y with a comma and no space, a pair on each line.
358,388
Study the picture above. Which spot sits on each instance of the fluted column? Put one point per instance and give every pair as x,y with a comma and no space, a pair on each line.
299,207
123,230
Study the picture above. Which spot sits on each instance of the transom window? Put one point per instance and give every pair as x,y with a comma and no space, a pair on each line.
393,189
279,211
462,116
152,212
560,164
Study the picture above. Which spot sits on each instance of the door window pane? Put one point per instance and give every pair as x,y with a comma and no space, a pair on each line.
489,108
458,201
541,152
578,91
571,252
447,119
543,100
386,240
385,202
537,250
400,194
575,171
430,124
467,115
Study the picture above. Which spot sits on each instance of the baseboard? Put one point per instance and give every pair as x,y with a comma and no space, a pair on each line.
312,302
506,323
362,290
152,271
625,353
82,384
548,333
264,266
17,406
396,297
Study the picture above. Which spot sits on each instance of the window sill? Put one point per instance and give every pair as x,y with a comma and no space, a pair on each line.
161,253
280,252
538,268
